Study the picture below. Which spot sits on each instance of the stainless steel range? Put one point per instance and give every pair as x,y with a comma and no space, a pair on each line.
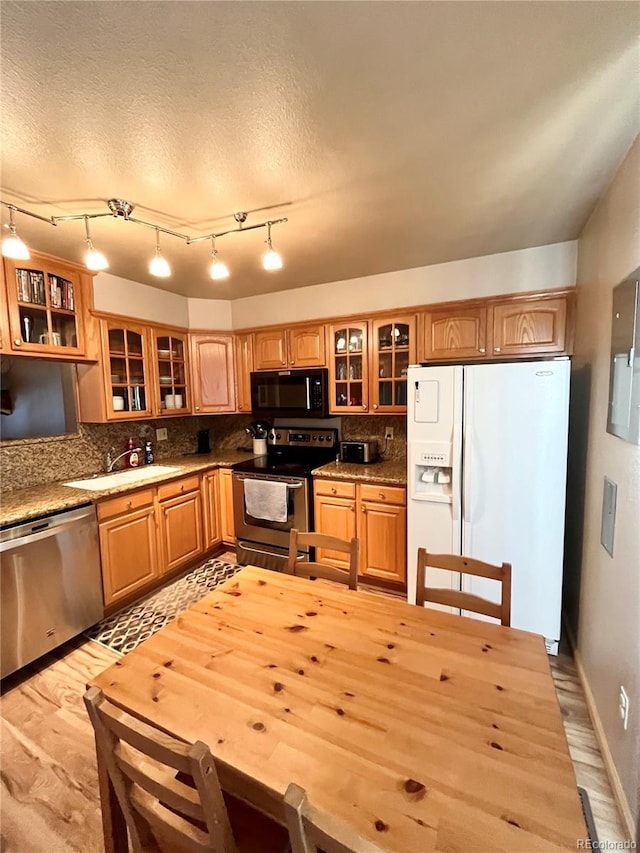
292,454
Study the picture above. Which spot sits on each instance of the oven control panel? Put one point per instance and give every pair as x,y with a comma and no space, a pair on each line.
300,437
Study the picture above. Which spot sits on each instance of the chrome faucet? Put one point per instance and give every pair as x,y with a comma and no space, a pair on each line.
111,460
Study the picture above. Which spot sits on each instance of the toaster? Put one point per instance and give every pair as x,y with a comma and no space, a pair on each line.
358,451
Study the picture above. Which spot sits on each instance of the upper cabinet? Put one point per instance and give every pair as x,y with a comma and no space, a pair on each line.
301,346
457,332
213,374
47,299
243,345
348,367
393,349
530,327
170,372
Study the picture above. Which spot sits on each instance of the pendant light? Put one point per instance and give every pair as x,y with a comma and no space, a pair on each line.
271,260
218,270
94,259
159,266
13,246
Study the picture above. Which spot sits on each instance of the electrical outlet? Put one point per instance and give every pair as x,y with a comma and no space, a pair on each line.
623,707
161,434
388,433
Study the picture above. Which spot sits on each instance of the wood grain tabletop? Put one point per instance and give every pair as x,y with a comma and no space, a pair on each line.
421,730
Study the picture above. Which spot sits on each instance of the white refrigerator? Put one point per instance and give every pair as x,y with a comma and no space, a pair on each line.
486,478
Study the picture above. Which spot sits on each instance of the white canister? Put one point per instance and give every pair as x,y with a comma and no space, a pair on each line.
259,446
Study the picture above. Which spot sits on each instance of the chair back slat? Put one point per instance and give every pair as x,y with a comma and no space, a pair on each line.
310,830
162,812
458,598
303,568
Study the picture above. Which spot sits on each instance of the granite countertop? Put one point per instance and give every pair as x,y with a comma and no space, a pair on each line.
392,472
36,501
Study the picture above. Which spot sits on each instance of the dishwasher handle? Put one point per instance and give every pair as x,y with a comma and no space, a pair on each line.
53,530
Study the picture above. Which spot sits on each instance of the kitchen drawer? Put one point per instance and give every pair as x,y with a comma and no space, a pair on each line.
383,494
124,504
335,488
179,487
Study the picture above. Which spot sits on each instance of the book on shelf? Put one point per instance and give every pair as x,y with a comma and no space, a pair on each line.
60,292
31,286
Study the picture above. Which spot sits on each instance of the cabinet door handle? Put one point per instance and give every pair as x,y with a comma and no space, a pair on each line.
334,491
375,405
197,408
382,496
17,342
129,504
292,361
482,349
352,507
364,406
182,488
364,509
497,349
284,362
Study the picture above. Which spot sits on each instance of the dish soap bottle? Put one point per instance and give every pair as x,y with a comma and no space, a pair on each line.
148,453
133,460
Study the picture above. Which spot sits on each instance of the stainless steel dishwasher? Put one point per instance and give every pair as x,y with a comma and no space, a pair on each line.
50,583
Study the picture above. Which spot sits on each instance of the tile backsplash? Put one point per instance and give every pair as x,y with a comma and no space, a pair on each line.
35,461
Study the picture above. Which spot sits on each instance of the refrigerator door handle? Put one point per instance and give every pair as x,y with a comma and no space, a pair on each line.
457,510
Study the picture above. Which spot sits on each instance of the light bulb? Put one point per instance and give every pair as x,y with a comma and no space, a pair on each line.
159,266
272,260
218,270
94,259
13,247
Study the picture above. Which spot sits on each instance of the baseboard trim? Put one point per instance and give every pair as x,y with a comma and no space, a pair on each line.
609,765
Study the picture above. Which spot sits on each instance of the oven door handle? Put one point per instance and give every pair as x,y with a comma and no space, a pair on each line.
295,485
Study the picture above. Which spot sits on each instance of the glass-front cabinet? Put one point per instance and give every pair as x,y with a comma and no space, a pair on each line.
348,367
393,349
45,299
126,364
170,372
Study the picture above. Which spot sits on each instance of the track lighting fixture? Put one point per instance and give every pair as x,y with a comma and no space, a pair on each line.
271,260
218,269
94,259
13,246
159,266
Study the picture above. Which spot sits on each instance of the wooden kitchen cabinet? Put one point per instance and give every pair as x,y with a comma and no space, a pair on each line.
300,346
172,391
383,533
213,373
348,367
181,529
227,525
211,509
47,299
243,348
455,332
119,387
393,349
377,515
128,544
530,327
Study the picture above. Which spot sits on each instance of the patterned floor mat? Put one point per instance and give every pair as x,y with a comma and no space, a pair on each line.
123,631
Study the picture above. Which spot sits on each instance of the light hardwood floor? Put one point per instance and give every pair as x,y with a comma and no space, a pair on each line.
49,782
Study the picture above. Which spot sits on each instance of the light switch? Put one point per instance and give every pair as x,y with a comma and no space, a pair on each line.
607,529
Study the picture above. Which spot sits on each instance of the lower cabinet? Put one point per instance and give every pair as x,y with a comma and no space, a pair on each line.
227,527
128,544
377,515
151,532
180,507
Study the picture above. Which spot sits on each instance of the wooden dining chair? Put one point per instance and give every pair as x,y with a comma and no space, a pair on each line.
306,569
169,791
311,831
458,598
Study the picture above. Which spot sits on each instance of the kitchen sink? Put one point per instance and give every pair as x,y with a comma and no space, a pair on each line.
119,478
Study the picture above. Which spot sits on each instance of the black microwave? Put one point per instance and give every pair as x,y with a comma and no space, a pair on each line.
290,393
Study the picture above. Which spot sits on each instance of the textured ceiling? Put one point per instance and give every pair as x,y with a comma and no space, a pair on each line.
392,134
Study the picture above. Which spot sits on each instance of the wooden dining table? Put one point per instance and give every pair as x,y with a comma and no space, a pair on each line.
418,729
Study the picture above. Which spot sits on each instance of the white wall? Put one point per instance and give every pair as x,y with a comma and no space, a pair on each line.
609,587
540,268
133,299
210,314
